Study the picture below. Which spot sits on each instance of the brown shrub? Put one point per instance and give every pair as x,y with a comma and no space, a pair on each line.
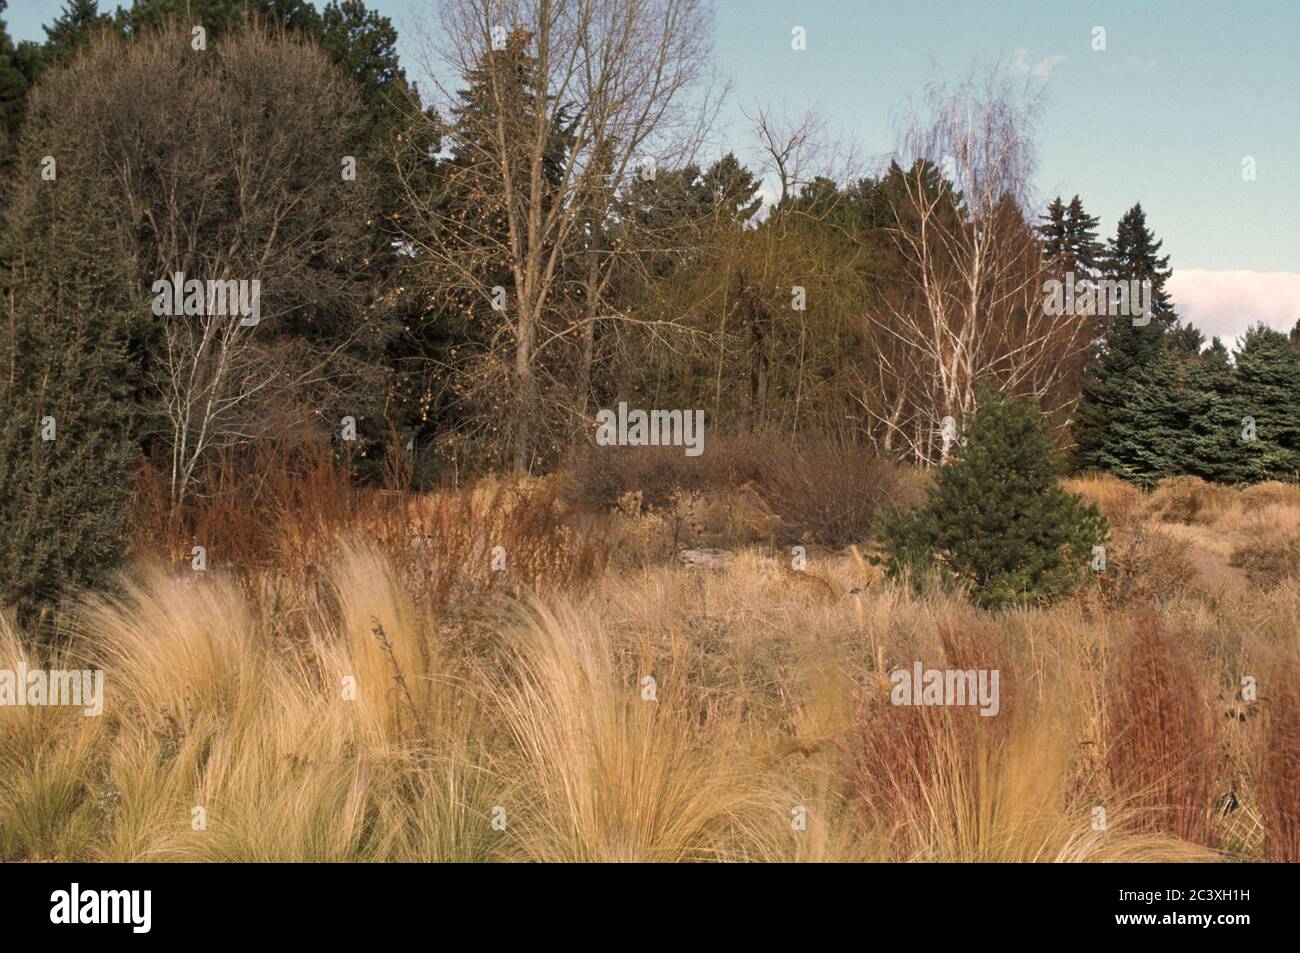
264,507
1188,499
448,543
827,491
1163,755
1268,562
1118,501
1147,566
1271,492
812,489
286,511
601,476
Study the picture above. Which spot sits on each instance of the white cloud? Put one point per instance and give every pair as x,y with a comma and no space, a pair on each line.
1043,68
1040,70
1226,303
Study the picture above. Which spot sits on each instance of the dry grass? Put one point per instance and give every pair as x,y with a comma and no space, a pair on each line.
386,695
1281,768
1162,754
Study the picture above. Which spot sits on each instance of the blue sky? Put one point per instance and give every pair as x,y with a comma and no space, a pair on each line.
1165,115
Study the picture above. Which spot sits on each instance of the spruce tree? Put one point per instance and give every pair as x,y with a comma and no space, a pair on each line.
17,65
72,31
996,518
1134,255
1087,254
1131,416
1069,239
1052,233
1268,391
1211,444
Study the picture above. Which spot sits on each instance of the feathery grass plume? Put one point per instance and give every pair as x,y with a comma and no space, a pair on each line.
49,756
1162,753
174,646
477,731
611,774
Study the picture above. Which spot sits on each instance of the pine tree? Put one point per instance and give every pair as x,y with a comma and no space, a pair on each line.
1184,342
1053,234
733,189
1131,416
72,30
67,447
1134,255
16,72
1211,444
996,518
1069,238
1086,253
1268,391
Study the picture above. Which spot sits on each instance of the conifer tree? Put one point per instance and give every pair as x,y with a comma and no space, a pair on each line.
17,67
996,518
1130,416
1268,392
1053,232
1211,446
72,30
1087,254
67,447
1134,255
1069,237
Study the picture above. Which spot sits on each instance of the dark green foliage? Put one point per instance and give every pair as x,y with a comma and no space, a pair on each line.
1129,408
72,31
1134,255
63,355
17,67
1069,236
1268,390
996,518
1130,416
1212,448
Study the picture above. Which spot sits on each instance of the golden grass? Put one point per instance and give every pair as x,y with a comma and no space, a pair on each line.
652,712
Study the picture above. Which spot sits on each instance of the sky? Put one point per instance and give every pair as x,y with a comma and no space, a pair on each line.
1183,94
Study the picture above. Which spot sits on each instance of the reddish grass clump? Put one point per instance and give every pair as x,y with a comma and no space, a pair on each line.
901,754
287,511
266,507
828,491
1163,753
1280,796
449,542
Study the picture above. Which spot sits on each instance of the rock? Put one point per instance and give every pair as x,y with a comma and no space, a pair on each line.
704,558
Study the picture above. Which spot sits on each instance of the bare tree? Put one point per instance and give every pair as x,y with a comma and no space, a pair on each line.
568,101
974,271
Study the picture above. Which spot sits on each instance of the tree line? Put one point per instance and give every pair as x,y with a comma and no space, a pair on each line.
467,269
